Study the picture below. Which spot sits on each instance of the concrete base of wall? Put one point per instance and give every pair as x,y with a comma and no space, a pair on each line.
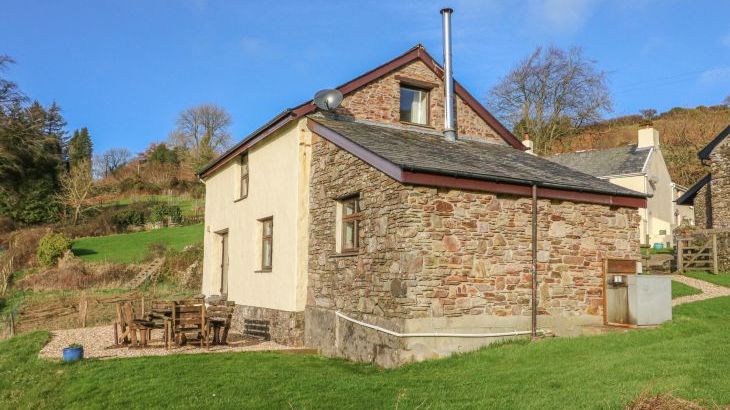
285,327
338,337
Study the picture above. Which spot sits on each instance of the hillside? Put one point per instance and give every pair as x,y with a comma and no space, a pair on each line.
683,132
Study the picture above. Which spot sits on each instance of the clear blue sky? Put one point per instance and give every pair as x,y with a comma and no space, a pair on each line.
126,68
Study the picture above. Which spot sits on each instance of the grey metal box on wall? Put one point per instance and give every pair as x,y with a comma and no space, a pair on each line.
650,299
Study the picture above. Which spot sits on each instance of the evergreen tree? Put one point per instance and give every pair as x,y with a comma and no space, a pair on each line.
80,147
29,166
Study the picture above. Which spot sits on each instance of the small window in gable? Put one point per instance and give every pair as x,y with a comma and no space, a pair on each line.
413,105
243,183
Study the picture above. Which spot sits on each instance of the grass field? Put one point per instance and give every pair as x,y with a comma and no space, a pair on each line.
722,279
186,203
679,289
688,357
132,247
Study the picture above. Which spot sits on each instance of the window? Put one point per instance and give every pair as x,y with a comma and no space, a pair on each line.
350,224
243,189
267,242
413,105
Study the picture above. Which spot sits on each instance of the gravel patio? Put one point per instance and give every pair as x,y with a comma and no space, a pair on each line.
98,344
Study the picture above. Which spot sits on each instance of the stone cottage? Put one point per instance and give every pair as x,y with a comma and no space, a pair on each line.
710,196
366,233
640,167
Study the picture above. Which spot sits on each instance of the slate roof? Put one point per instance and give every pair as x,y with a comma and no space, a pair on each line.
688,198
428,152
608,162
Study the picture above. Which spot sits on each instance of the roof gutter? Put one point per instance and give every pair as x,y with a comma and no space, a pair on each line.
520,181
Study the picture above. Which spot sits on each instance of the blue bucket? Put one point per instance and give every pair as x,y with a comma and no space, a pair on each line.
73,354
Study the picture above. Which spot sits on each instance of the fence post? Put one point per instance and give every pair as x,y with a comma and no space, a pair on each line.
714,254
680,254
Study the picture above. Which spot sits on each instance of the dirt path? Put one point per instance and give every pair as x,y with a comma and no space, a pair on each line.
708,289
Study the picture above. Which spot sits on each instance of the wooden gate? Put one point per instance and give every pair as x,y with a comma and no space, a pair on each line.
697,252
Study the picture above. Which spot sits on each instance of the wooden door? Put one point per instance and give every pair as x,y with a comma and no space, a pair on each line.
224,263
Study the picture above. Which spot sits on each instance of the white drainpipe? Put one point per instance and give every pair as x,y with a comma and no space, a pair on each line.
433,334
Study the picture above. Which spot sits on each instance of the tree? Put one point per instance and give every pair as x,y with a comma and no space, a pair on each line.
29,165
160,153
726,101
76,187
550,94
80,148
648,114
9,92
112,160
203,130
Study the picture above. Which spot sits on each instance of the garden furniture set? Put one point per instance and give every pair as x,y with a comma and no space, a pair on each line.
180,321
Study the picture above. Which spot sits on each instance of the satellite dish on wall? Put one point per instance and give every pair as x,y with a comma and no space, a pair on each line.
328,100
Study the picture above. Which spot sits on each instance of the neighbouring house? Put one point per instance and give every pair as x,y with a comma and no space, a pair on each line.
710,196
639,167
349,231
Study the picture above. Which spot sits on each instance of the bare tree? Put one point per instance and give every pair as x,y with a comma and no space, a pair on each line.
726,101
76,187
550,94
9,92
109,162
203,130
648,113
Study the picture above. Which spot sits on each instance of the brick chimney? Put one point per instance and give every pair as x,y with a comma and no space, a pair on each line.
648,137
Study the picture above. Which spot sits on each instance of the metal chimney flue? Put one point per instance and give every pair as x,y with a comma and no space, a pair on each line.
449,128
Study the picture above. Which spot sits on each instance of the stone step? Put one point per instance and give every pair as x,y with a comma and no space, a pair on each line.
150,270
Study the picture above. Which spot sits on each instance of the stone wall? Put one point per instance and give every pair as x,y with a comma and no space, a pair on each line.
285,327
703,207
380,101
435,255
720,169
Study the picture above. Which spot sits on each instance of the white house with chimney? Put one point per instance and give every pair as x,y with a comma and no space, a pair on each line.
639,167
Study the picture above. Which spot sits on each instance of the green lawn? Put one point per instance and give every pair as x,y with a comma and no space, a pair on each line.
186,203
132,247
722,279
679,289
688,357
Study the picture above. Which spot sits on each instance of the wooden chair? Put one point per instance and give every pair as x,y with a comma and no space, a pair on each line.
121,325
188,316
127,326
160,317
218,323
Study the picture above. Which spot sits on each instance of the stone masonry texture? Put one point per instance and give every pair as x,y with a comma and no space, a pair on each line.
380,101
285,328
720,185
427,252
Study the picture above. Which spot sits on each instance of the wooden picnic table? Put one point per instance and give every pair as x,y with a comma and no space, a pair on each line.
177,318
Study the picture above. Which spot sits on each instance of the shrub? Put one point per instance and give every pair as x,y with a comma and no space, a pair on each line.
184,267
51,247
175,214
128,217
166,213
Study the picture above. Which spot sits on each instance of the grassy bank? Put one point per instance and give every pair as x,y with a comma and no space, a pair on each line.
688,357
721,279
132,247
679,289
